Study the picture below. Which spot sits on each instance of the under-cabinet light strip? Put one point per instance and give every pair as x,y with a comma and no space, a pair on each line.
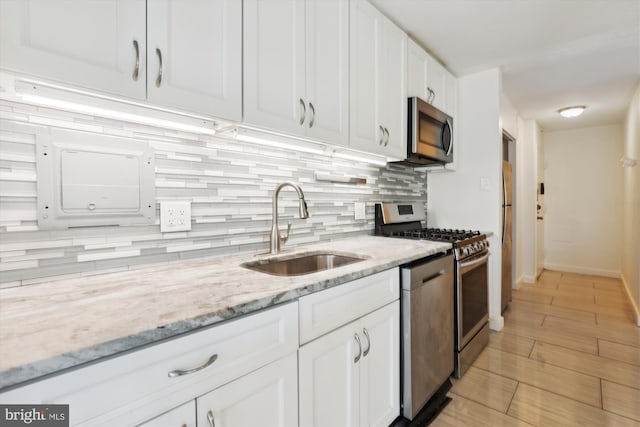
112,108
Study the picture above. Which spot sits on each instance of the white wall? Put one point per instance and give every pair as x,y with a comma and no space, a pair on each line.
526,182
583,200
631,205
470,196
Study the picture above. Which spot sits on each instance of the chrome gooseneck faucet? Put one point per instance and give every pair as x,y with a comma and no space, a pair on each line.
277,239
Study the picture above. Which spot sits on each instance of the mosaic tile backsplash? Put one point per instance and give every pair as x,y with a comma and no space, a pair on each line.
229,183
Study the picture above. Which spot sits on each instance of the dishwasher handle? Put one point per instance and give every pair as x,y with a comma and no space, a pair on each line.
434,276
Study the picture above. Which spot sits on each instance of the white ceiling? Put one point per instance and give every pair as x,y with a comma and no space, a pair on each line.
553,53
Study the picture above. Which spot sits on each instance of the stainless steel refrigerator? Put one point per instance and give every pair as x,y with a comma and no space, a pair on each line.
507,222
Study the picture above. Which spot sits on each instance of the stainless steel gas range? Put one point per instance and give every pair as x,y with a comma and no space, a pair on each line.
467,301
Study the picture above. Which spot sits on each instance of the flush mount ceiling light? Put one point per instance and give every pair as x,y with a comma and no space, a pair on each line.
573,111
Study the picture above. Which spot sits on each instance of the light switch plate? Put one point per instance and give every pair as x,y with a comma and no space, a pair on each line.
175,216
360,211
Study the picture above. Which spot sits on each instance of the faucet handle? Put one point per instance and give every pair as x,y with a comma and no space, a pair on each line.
285,236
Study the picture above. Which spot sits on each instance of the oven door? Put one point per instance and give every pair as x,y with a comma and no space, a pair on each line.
471,297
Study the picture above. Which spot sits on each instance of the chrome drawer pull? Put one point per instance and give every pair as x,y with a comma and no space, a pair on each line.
304,111
313,115
212,423
137,67
357,358
366,334
159,79
180,372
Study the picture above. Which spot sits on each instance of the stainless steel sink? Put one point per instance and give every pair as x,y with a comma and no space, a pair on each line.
301,264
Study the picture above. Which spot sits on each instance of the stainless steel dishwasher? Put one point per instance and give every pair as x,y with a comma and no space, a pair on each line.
427,331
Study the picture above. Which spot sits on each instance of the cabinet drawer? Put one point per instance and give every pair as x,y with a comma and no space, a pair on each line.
137,385
327,310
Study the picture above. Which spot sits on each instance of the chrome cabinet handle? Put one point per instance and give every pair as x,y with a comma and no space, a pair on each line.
386,140
159,79
381,136
366,334
180,372
136,70
313,115
304,111
434,96
212,423
357,358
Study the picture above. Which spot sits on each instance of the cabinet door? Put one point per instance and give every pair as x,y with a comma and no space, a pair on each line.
87,43
327,70
393,89
182,416
194,54
417,60
274,65
266,397
380,368
451,94
365,133
436,81
329,379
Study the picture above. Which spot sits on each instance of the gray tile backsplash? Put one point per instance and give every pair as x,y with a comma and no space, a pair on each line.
228,182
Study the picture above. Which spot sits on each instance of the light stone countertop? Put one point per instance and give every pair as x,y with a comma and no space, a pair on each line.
50,327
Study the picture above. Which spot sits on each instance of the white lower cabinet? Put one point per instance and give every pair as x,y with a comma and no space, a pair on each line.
266,397
350,376
137,387
182,416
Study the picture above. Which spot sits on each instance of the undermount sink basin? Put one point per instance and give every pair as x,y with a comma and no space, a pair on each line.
302,264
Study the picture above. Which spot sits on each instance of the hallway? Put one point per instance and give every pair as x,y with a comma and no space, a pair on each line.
569,355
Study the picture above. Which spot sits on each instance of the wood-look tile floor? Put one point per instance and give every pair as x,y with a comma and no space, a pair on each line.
569,355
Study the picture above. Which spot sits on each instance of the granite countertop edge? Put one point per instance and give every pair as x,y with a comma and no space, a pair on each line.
84,356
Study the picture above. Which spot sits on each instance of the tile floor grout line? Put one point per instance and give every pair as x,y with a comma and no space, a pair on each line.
535,386
506,412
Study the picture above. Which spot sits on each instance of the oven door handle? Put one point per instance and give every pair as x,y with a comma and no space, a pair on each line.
464,265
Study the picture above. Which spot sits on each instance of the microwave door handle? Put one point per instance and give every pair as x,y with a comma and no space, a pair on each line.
450,137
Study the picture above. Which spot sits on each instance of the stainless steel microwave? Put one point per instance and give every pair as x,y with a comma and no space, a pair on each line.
430,134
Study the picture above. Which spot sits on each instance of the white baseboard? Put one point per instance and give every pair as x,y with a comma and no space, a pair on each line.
528,279
496,323
634,305
582,270
518,283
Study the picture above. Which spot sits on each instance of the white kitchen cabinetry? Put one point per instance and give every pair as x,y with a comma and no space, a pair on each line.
144,384
182,416
266,397
350,375
296,59
182,54
429,80
378,104
194,53
98,45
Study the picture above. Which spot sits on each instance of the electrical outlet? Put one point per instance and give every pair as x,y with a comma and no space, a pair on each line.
175,216
360,211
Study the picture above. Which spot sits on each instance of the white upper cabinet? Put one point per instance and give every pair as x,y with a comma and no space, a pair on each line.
195,56
296,58
98,45
429,80
190,61
378,103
